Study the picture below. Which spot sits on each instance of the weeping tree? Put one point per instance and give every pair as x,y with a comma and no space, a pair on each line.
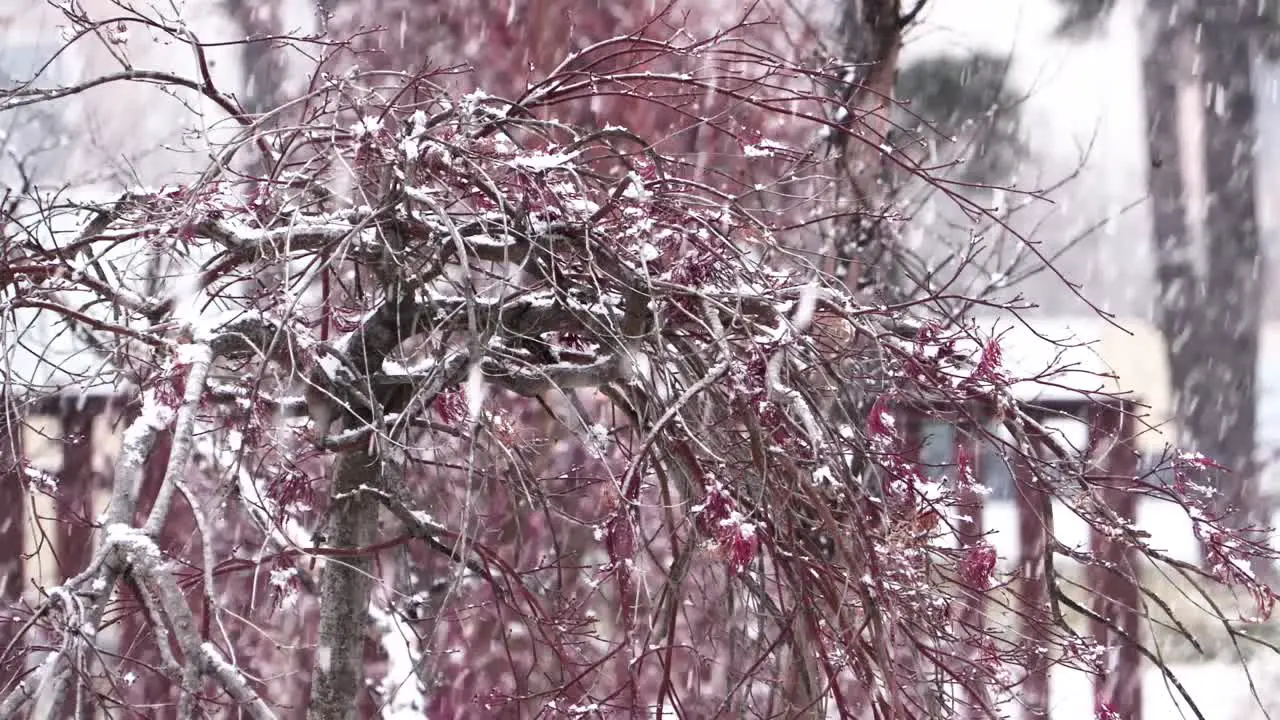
452,404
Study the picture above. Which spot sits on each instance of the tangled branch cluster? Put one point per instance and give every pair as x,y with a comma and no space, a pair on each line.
504,414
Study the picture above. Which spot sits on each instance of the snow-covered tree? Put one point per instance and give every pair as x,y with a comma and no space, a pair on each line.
444,402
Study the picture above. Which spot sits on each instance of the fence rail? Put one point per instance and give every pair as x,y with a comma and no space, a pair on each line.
57,483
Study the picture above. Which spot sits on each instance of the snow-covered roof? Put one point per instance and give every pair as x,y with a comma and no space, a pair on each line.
1136,355
1083,355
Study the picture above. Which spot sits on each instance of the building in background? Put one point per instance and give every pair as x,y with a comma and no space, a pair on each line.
1128,356
88,147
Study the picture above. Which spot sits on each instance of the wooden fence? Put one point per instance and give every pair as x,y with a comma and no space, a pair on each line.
1114,457
47,537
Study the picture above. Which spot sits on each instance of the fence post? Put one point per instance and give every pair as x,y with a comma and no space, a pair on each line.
13,499
1114,468
911,420
969,534
76,483
1033,589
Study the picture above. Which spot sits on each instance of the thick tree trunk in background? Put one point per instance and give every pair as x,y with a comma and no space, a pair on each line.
1224,419
871,36
1175,256
263,62
857,248
1166,79
1209,303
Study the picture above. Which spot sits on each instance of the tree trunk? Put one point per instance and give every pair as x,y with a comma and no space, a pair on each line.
346,585
856,251
871,35
1224,418
1209,304
1166,71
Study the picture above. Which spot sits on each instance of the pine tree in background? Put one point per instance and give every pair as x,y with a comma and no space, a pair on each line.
962,108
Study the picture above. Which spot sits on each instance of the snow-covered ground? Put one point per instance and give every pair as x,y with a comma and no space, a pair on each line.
1220,690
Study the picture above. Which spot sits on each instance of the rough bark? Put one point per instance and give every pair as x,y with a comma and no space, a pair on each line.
871,35
347,582
1165,70
1223,420
345,588
1202,134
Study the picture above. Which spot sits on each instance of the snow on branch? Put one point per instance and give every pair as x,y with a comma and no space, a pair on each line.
609,359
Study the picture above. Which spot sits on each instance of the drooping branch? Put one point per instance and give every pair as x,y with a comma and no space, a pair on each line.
123,545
